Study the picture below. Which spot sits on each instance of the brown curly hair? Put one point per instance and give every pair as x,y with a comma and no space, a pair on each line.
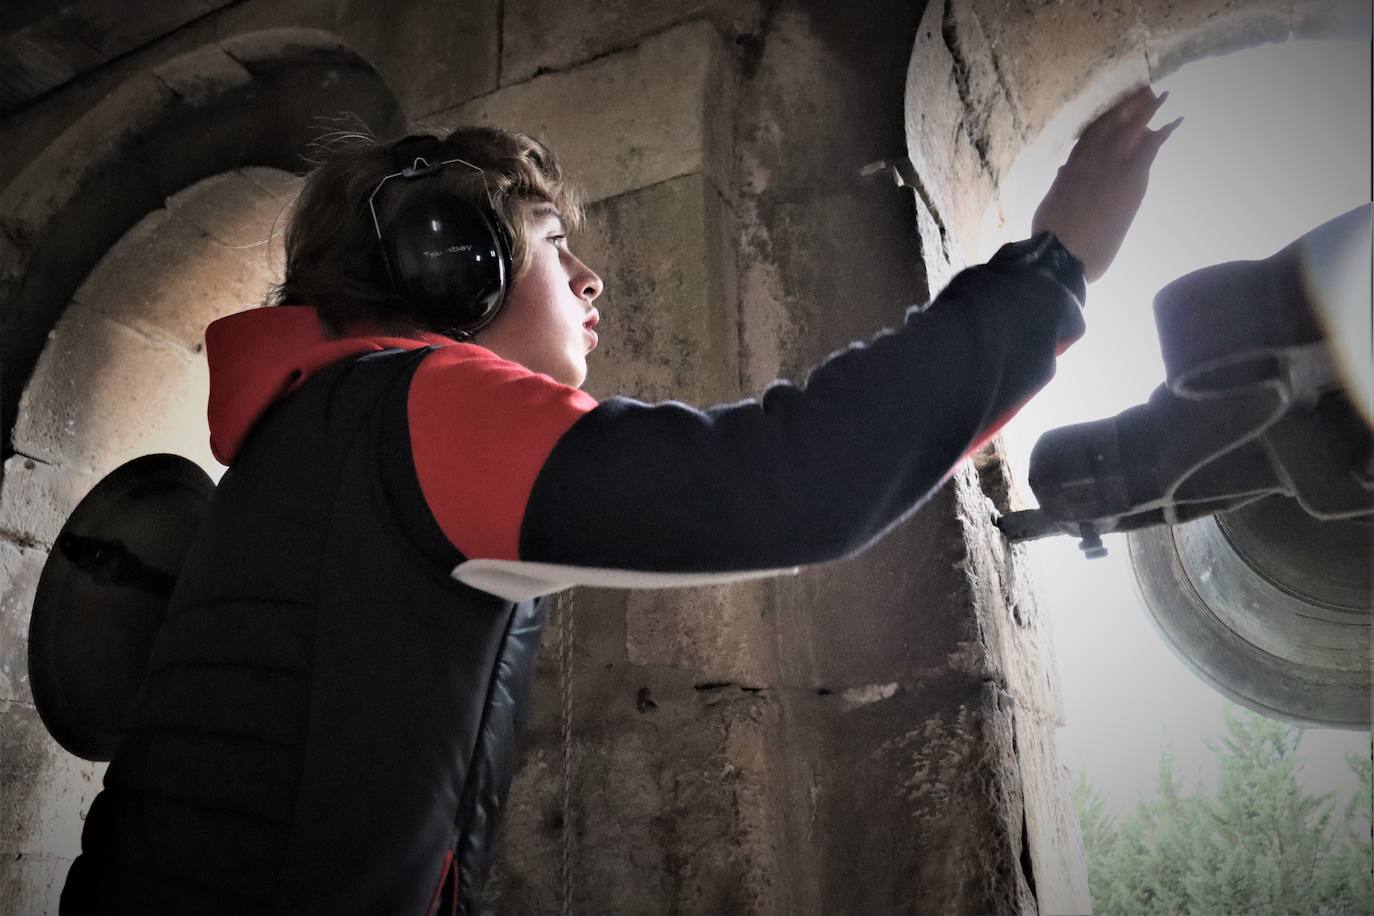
333,257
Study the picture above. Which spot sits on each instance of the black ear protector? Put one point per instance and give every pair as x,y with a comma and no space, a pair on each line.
445,255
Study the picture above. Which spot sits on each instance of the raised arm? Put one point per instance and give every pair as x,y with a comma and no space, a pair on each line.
538,487
517,468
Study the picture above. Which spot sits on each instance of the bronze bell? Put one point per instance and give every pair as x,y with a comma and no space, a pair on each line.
1245,484
103,594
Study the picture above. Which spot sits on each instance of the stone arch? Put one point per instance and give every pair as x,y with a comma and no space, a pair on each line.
149,217
250,100
997,78
122,372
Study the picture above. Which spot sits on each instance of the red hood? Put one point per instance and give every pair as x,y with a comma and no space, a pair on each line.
260,356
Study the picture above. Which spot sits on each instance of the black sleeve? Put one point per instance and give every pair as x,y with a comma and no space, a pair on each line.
812,473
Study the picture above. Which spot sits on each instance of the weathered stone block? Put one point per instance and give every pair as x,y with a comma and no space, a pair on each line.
255,15
897,613
621,814
967,43
806,283
280,184
269,50
31,884
301,77
446,51
769,332
242,214
816,66
668,311
525,868
19,572
112,31
1003,136
1342,19
722,634
989,116
1052,829
44,791
25,134
957,181
662,126
615,842
169,278
36,498
934,113
1041,74
935,251
940,596
538,36
12,264
673,803
202,76
964,212
837,267
1189,30
1014,647
11,258
102,394
42,53
598,626
722,805
50,182
930,775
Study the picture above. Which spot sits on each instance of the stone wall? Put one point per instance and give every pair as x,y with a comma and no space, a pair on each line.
1003,74
870,736
122,374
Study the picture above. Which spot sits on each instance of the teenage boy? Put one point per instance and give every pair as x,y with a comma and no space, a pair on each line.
330,715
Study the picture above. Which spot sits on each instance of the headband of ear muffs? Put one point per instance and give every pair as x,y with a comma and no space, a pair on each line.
447,257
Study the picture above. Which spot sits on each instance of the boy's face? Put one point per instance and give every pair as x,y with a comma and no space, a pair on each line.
546,322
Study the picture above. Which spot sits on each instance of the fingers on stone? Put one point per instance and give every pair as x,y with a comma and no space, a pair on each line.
1155,139
1125,113
1155,104
1130,107
1136,112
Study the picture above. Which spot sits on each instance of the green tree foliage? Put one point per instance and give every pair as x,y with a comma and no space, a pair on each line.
1261,846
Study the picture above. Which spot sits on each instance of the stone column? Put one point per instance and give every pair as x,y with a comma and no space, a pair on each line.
675,735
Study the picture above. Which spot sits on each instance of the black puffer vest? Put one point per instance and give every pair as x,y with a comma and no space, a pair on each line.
329,720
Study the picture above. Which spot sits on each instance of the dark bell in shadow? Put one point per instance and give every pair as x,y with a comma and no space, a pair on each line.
103,595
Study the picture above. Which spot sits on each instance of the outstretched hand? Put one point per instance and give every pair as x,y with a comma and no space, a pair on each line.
1098,190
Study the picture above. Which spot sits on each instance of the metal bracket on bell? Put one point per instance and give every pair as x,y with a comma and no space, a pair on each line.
1255,404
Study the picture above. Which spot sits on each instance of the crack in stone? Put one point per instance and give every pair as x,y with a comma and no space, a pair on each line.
906,171
631,44
31,460
500,40
1017,120
721,685
23,540
969,122
147,335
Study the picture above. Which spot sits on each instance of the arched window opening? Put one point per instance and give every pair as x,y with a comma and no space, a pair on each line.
1276,141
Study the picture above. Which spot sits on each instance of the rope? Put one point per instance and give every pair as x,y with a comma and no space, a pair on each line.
565,641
